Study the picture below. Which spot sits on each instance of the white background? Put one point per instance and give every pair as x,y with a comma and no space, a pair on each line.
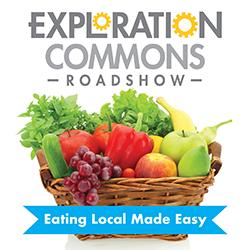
222,95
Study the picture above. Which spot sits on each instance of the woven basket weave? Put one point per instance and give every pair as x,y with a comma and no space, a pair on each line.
167,191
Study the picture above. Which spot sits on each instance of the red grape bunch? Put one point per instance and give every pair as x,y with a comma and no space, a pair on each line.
89,169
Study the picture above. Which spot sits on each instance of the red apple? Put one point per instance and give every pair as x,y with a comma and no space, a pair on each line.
72,140
155,165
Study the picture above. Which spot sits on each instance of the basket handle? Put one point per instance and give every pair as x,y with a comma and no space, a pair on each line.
215,151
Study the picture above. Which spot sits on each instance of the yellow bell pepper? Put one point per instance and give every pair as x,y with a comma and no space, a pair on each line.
157,143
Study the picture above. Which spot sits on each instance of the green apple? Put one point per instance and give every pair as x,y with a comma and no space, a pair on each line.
177,143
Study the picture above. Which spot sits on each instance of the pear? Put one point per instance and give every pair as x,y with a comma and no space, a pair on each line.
209,133
195,162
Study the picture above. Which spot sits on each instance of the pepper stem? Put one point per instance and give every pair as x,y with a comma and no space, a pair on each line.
222,123
68,133
139,122
109,123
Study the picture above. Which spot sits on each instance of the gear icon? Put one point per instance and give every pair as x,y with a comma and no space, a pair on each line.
191,19
96,21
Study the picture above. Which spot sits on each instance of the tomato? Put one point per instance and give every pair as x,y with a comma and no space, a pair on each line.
102,134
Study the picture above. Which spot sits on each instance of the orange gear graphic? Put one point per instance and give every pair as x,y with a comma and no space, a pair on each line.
191,19
107,21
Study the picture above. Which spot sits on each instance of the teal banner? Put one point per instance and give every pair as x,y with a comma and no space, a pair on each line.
125,220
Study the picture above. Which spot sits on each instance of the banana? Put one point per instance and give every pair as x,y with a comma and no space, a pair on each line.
180,119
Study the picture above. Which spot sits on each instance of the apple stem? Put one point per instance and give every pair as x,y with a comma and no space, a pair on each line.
183,133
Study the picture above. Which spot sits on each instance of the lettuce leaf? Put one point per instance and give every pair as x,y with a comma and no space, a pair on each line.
54,115
128,104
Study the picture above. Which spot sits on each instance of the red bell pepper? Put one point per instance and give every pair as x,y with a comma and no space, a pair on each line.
126,145
102,134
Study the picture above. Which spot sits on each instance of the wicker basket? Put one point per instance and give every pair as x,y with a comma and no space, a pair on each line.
168,191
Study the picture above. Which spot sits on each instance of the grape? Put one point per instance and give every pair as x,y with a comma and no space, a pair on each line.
93,190
89,157
93,179
76,154
92,198
110,169
82,150
67,182
117,171
107,164
85,170
99,160
97,185
84,186
96,168
74,160
74,188
82,203
75,177
105,174
90,169
79,197
81,170
106,158
80,163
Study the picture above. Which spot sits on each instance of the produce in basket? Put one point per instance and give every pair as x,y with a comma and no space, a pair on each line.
102,134
125,108
157,143
54,156
55,115
71,140
110,177
209,133
128,173
155,165
195,162
127,145
180,119
177,143
89,169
